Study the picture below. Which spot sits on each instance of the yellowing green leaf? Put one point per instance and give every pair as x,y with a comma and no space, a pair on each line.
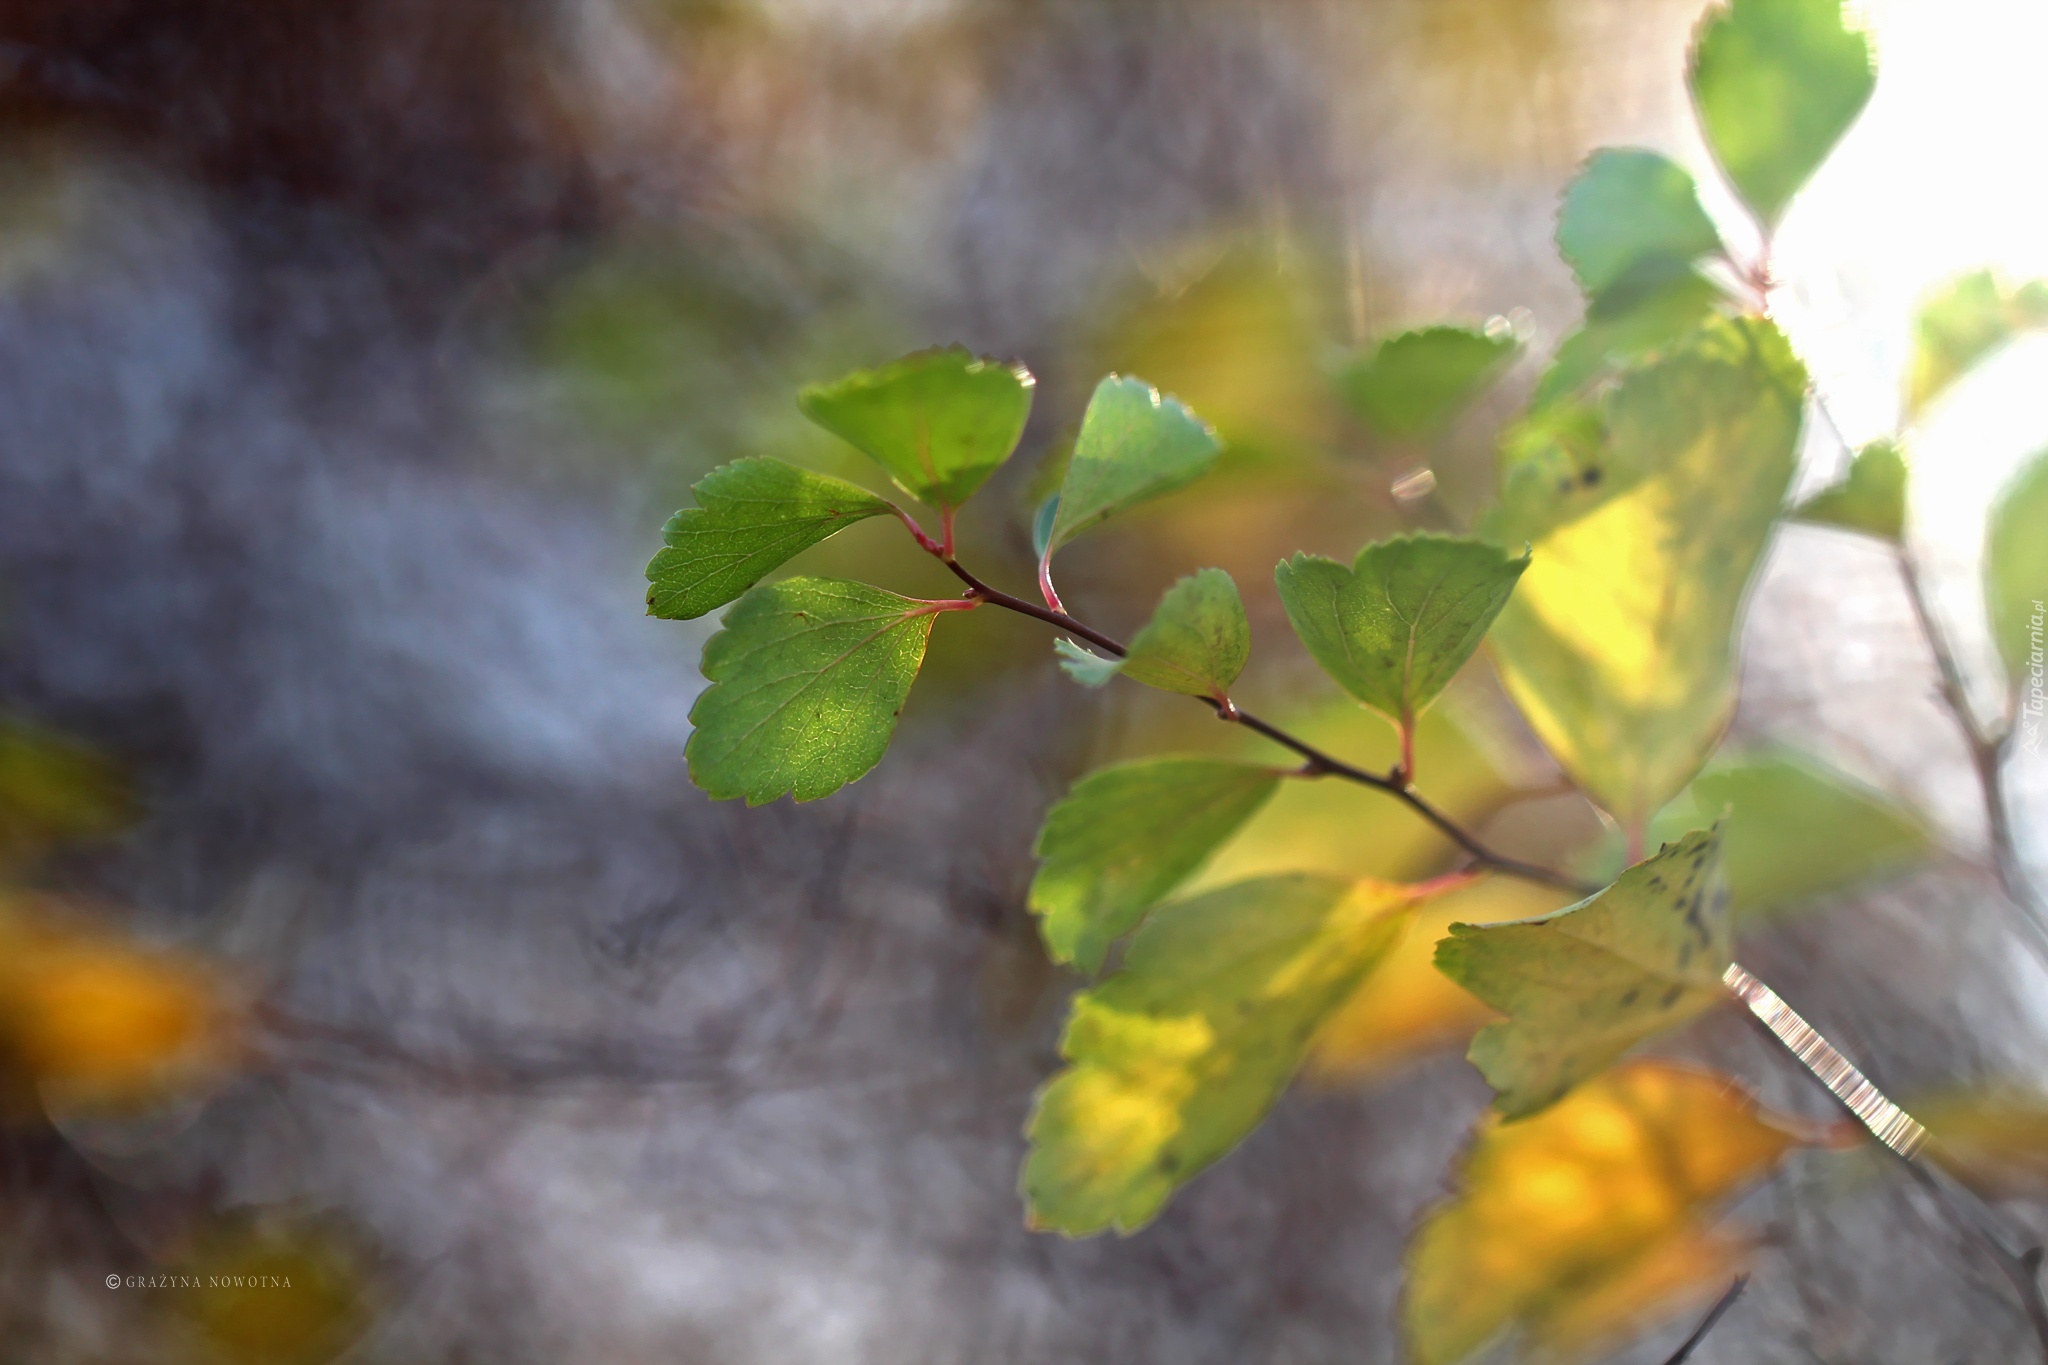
1793,830
2016,584
1619,642
1957,327
1638,317
1196,643
1397,625
807,679
1632,214
751,517
1583,985
1993,1139
274,1289
1407,1008
1125,837
1777,83
1414,384
1179,1055
1591,1219
1871,499
939,421
1135,445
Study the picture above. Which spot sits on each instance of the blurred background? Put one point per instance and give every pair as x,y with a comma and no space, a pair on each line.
360,925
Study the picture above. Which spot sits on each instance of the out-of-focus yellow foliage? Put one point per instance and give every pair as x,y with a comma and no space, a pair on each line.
92,1020
1407,1008
272,1291
53,791
1578,1223
1993,1140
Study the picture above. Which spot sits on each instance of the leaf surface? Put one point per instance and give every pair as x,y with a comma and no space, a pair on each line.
1632,215
1871,499
1793,829
1179,1055
1777,83
1963,323
1583,985
1135,444
1397,625
1593,1216
1619,641
1125,837
752,516
2016,584
1414,384
1196,643
939,421
807,680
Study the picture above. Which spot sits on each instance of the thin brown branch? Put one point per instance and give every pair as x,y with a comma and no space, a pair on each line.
1315,762
1699,1333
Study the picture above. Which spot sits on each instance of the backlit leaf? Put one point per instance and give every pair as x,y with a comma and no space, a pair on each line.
1871,499
1397,625
1415,384
1125,837
1135,444
1583,985
939,421
1179,1055
751,517
1196,643
1591,1218
1632,215
1793,829
2016,583
1619,642
1995,1139
1407,1008
1633,321
807,679
1777,83
1963,323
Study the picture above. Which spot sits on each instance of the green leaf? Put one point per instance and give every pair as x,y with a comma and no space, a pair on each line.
1400,622
1125,837
1583,985
1633,321
1135,445
1793,830
939,421
1619,642
55,792
807,679
1179,1055
1196,643
1632,215
1415,384
2016,582
1956,328
1777,83
1872,499
751,517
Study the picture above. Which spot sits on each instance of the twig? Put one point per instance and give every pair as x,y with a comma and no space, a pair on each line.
1316,762
1903,1137
1699,1333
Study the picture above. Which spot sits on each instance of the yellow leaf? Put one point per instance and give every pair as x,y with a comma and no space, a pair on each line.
1695,1263
1994,1140
1176,1057
1619,643
1407,1008
1563,1220
94,1020
273,1289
